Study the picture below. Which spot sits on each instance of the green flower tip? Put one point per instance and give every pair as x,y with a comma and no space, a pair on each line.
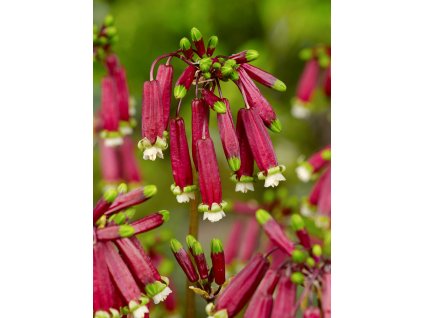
310,262
216,246
154,288
234,163
179,91
165,214
197,249
190,241
175,245
109,20
227,70
122,188
326,154
125,230
150,190
298,256
205,64
276,126
110,195
297,222
219,107
279,86
216,65
196,34
234,76
213,41
111,31
251,55
316,250
185,44
263,216
297,278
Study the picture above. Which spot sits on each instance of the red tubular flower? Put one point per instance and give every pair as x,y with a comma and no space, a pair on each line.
305,89
212,44
183,260
327,83
264,78
197,38
165,78
213,101
244,176
109,163
209,179
183,187
129,164
122,94
245,56
200,124
326,297
240,288
284,303
229,138
131,198
218,260
314,164
262,148
110,113
153,138
185,46
298,225
200,260
274,232
312,312
183,83
104,204
257,101
231,246
124,281
250,240
126,230
262,301
141,267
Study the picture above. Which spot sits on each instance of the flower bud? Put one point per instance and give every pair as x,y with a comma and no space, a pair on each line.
314,164
183,260
298,256
245,56
183,187
200,124
165,78
110,113
218,261
264,78
305,89
213,101
274,232
261,148
129,163
197,38
212,44
153,139
134,197
297,278
185,45
200,260
229,139
122,94
284,303
183,83
205,64
209,179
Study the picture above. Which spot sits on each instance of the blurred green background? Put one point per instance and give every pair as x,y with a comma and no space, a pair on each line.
277,29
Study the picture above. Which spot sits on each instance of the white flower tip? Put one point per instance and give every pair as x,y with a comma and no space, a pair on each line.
273,180
126,130
300,111
214,216
113,142
140,312
185,197
151,153
244,187
303,173
305,210
162,295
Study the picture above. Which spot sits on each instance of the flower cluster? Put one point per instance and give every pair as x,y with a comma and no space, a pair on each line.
125,278
196,268
244,142
268,283
316,73
317,167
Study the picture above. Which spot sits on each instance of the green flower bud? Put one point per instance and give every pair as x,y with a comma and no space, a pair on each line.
297,278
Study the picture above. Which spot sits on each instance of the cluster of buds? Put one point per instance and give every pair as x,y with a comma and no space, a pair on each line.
318,168
267,285
125,278
195,267
243,143
316,74
104,37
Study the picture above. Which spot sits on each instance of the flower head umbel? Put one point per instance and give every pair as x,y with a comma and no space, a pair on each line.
124,277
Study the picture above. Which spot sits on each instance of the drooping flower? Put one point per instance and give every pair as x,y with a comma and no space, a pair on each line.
110,165
284,303
165,78
199,125
153,140
183,187
232,246
214,102
314,164
183,83
123,101
218,260
209,179
261,148
274,231
110,113
129,164
250,240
